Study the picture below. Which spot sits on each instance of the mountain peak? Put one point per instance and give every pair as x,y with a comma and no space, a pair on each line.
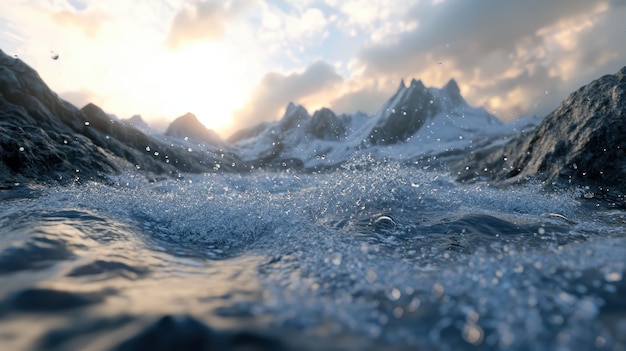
293,116
189,118
188,126
326,125
417,84
136,120
451,89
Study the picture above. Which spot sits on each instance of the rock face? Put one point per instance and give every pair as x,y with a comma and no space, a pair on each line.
583,141
38,132
413,106
405,113
45,138
188,126
326,125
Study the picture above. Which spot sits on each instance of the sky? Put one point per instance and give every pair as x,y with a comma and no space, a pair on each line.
236,63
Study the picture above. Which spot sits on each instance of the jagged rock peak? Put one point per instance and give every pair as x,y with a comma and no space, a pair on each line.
453,93
326,125
402,85
403,114
293,117
417,84
294,109
583,141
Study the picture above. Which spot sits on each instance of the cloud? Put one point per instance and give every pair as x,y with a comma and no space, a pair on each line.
204,20
88,22
275,90
367,99
505,55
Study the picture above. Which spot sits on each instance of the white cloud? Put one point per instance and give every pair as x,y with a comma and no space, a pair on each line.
275,90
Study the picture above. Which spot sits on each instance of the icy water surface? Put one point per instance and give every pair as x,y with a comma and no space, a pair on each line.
388,257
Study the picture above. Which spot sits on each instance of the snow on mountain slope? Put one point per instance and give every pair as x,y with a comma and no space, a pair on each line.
415,121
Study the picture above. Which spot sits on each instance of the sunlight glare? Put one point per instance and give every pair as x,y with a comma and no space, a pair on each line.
197,80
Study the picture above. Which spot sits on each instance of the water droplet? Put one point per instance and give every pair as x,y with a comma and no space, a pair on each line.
613,277
541,231
21,148
398,312
472,317
438,290
336,258
148,148
189,149
394,294
414,305
54,55
600,341
371,276
86,123
473,334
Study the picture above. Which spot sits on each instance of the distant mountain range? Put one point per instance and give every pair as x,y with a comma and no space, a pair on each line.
43,138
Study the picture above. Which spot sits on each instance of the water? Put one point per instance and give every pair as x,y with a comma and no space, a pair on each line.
386,256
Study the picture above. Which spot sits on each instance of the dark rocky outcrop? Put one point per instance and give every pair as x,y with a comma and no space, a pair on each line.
405,113
583,142
188,126
452,94
326,125
38,138
44,138
295,116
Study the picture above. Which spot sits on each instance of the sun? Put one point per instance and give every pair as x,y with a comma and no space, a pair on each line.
199,80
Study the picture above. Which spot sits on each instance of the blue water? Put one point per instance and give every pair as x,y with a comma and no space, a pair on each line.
387,256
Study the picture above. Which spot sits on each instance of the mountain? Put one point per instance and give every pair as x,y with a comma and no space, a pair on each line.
326,125
583,142
44,138
404,113
415,121
188,126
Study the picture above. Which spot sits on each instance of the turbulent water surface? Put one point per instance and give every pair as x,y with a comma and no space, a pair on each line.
384,256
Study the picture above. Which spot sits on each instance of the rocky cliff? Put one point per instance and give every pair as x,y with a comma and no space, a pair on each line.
582,142
44,138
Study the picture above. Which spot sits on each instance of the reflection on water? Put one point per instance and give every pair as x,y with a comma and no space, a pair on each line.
391,258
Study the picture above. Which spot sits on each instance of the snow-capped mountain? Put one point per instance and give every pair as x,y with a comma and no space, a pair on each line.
415,121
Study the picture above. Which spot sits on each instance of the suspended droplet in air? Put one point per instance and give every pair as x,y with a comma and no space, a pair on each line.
54,55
